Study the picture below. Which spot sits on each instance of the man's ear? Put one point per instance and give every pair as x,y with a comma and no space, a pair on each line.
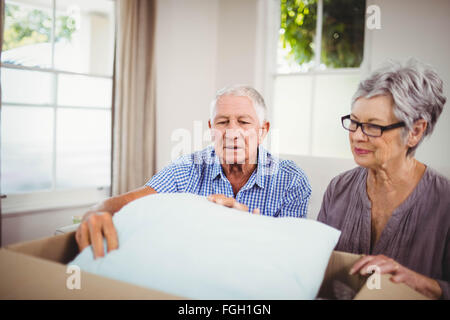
263,131
417,132
211,131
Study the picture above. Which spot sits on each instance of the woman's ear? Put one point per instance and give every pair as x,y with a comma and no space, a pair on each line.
417,132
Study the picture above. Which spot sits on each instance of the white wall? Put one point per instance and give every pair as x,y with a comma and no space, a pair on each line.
186,55
236,42
416,28
202,45
37,224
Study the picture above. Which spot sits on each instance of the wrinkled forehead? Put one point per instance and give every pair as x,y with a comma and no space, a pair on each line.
379,107
228,106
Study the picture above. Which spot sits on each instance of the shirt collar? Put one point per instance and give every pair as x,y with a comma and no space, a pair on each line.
217,168
263,164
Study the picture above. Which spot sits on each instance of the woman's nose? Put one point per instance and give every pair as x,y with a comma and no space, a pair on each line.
359,134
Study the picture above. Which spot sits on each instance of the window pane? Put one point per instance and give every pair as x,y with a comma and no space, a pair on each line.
27,33
31,87
291,115
27,143
84,91
333,94
297,31
85,36
343,23
343,33
83,148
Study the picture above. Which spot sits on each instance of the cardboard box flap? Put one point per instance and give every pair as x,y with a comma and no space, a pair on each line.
388,290
338,272
61,248
337,278
27,277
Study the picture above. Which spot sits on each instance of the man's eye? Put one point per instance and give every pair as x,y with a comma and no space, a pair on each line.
221,122
244,122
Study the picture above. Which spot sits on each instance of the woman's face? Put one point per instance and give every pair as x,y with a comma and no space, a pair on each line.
376,152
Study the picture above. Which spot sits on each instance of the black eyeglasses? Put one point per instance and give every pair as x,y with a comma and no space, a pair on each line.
369,129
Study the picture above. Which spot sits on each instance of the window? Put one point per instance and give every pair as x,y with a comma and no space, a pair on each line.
318,67
57,65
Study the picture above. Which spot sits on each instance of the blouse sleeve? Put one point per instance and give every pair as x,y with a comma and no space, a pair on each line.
322,216
445,283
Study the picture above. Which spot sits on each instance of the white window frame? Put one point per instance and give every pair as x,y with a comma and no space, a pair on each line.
53,198
272,15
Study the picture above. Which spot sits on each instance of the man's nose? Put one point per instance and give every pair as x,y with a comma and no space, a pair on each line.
232,125
233,130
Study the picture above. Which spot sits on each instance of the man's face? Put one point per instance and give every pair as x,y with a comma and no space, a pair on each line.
236,130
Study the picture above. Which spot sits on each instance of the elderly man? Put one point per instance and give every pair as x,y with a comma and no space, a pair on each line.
237,172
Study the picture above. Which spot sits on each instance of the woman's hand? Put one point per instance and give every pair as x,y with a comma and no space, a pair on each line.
400,274
229,202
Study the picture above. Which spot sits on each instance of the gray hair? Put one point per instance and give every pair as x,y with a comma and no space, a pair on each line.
242,91
415,88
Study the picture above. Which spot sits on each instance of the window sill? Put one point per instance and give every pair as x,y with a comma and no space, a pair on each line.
15,204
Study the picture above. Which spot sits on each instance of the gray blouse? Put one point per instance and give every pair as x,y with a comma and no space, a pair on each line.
417,235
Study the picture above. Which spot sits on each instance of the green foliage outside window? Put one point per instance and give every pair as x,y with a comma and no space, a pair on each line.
24,27
342,33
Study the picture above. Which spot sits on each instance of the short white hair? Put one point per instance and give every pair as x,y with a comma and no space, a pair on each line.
416,89
242,91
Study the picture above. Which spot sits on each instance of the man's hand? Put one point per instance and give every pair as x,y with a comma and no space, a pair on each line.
229,202
97,222
400,274
94,226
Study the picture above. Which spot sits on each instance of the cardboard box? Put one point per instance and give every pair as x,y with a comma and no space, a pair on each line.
337,276
37,270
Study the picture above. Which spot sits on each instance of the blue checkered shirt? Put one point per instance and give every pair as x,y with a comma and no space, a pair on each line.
277,187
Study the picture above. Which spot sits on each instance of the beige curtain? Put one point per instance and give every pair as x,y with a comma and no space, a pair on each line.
2,23
134,95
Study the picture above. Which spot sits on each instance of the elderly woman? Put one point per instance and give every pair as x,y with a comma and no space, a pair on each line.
392,208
